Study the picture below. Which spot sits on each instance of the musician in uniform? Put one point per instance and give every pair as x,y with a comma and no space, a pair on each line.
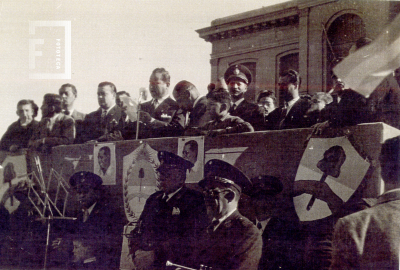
231,241
171,219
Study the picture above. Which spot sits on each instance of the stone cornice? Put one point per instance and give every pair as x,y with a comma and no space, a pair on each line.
256,48
257,20
247,26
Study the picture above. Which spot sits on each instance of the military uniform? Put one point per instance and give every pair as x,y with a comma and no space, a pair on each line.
170,225
246,110
235,242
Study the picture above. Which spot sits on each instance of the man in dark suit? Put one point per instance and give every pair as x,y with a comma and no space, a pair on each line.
370,239
171,219
191,104
191,112
100,125
55,128
69,94
238,78
157,113
231,241
291,115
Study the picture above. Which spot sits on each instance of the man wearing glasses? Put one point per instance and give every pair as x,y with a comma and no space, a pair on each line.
232,241
171,219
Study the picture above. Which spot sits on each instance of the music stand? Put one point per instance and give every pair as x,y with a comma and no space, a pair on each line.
45,204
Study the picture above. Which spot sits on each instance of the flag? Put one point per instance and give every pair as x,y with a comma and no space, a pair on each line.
363,70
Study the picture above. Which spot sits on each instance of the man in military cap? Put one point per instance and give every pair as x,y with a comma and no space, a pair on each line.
171,219
238,78
232,241
280,237
97,219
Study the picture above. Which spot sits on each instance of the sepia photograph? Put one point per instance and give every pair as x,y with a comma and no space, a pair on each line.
199,135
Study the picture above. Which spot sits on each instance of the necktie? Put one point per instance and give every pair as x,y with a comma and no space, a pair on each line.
283,116
66,112
103,114
155,104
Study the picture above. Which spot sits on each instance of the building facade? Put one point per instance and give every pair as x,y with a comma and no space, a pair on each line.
309,36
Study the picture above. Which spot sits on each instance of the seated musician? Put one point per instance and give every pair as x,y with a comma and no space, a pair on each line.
171,220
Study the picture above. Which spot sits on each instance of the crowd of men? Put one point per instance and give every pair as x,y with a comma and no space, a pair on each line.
191,228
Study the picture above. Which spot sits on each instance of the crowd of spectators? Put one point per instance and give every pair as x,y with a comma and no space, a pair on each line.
223,110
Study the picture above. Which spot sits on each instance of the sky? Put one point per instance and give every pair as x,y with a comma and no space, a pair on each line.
120,41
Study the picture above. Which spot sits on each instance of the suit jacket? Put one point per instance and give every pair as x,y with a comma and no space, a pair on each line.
170,228
18,135
235,244
198,116
293,119
163,113
251,113
384,103
62,133
350,111
369,239
94,126
78,116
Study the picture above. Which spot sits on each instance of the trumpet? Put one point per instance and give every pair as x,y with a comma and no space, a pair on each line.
181,267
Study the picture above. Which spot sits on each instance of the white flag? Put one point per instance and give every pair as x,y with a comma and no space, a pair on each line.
365,69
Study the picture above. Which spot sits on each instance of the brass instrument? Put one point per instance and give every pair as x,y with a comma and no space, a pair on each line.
181,267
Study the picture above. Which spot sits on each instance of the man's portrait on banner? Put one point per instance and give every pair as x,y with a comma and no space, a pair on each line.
192,149
104,162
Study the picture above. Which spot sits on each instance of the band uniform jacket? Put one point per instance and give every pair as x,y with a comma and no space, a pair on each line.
18,135
235,244
251,113
94,126
278,119
171,228
62,133
369,239
105,226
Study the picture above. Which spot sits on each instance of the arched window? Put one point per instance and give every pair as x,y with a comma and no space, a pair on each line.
342,33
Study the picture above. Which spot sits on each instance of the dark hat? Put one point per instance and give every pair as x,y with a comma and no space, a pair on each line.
85,178
266,184
169,160
238,72
220,171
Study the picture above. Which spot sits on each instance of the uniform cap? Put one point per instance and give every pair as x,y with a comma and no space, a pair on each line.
85,178
169,160
238,72
266,184
216,170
